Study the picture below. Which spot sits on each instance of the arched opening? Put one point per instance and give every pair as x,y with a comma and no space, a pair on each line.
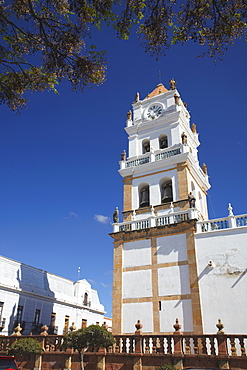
144,195
145,146
163,141
85,300
166,190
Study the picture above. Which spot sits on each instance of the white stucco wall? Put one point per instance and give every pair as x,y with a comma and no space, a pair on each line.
223,289
137,253
171,248
170,310
173,280
132,312
137,284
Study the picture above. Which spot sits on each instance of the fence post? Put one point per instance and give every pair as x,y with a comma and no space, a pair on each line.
178,349
222,345
137,364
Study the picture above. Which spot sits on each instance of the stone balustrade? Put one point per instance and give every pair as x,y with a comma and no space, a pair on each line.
220,350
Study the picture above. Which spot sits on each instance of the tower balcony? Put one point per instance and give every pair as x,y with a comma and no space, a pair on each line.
157,220
202,226
154,156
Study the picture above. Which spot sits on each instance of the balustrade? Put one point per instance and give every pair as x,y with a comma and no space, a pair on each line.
206,345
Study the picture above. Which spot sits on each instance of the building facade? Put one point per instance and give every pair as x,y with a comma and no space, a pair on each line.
170,261
33,298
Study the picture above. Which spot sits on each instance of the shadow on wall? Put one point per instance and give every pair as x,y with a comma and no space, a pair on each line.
33,312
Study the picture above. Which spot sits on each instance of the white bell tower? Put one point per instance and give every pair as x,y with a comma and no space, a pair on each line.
162,156
155,270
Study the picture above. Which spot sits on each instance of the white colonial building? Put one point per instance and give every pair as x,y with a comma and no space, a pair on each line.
170,261
33,298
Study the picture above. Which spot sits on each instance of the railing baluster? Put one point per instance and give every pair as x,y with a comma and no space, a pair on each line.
242,347
195,342
233,346
212,346
187,346
169,345
204,345
147,348
154,344
161,343
124,348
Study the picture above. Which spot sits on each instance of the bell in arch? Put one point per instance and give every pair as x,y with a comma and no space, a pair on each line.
144,201
167,193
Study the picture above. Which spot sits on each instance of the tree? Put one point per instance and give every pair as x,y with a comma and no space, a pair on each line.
44,42
25,347
93,336
166,367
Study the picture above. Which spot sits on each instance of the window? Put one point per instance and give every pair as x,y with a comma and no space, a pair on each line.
163,142
19,314
85,300
83,323
66,325
36,318
1,310
145,146
166,190
53,320
144,196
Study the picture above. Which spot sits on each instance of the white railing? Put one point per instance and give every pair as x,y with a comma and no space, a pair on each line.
152,157
175,217
154,221
221,223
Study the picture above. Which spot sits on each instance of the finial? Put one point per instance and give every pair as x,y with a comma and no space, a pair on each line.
177,326
172,84
104,325
129,115
139,327
184,138
72,327
230,209
17,331
123,156
171,207
193,128
44,331
137,97
177,99
220,326
205,168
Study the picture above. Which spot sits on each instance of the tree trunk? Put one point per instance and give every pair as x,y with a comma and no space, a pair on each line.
81,362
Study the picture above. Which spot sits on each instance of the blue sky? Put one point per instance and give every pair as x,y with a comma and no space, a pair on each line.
59,157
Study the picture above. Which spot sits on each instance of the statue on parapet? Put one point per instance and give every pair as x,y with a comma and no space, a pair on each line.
115,216
172,84
192,200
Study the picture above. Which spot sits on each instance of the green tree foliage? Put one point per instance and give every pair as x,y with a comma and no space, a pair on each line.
44,42
25,347
93,336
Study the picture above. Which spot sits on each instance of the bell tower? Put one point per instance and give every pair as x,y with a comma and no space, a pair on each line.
164,195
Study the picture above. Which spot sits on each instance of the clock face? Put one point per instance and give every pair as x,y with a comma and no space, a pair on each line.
154,111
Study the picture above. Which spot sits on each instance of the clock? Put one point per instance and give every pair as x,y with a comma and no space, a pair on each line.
154,111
